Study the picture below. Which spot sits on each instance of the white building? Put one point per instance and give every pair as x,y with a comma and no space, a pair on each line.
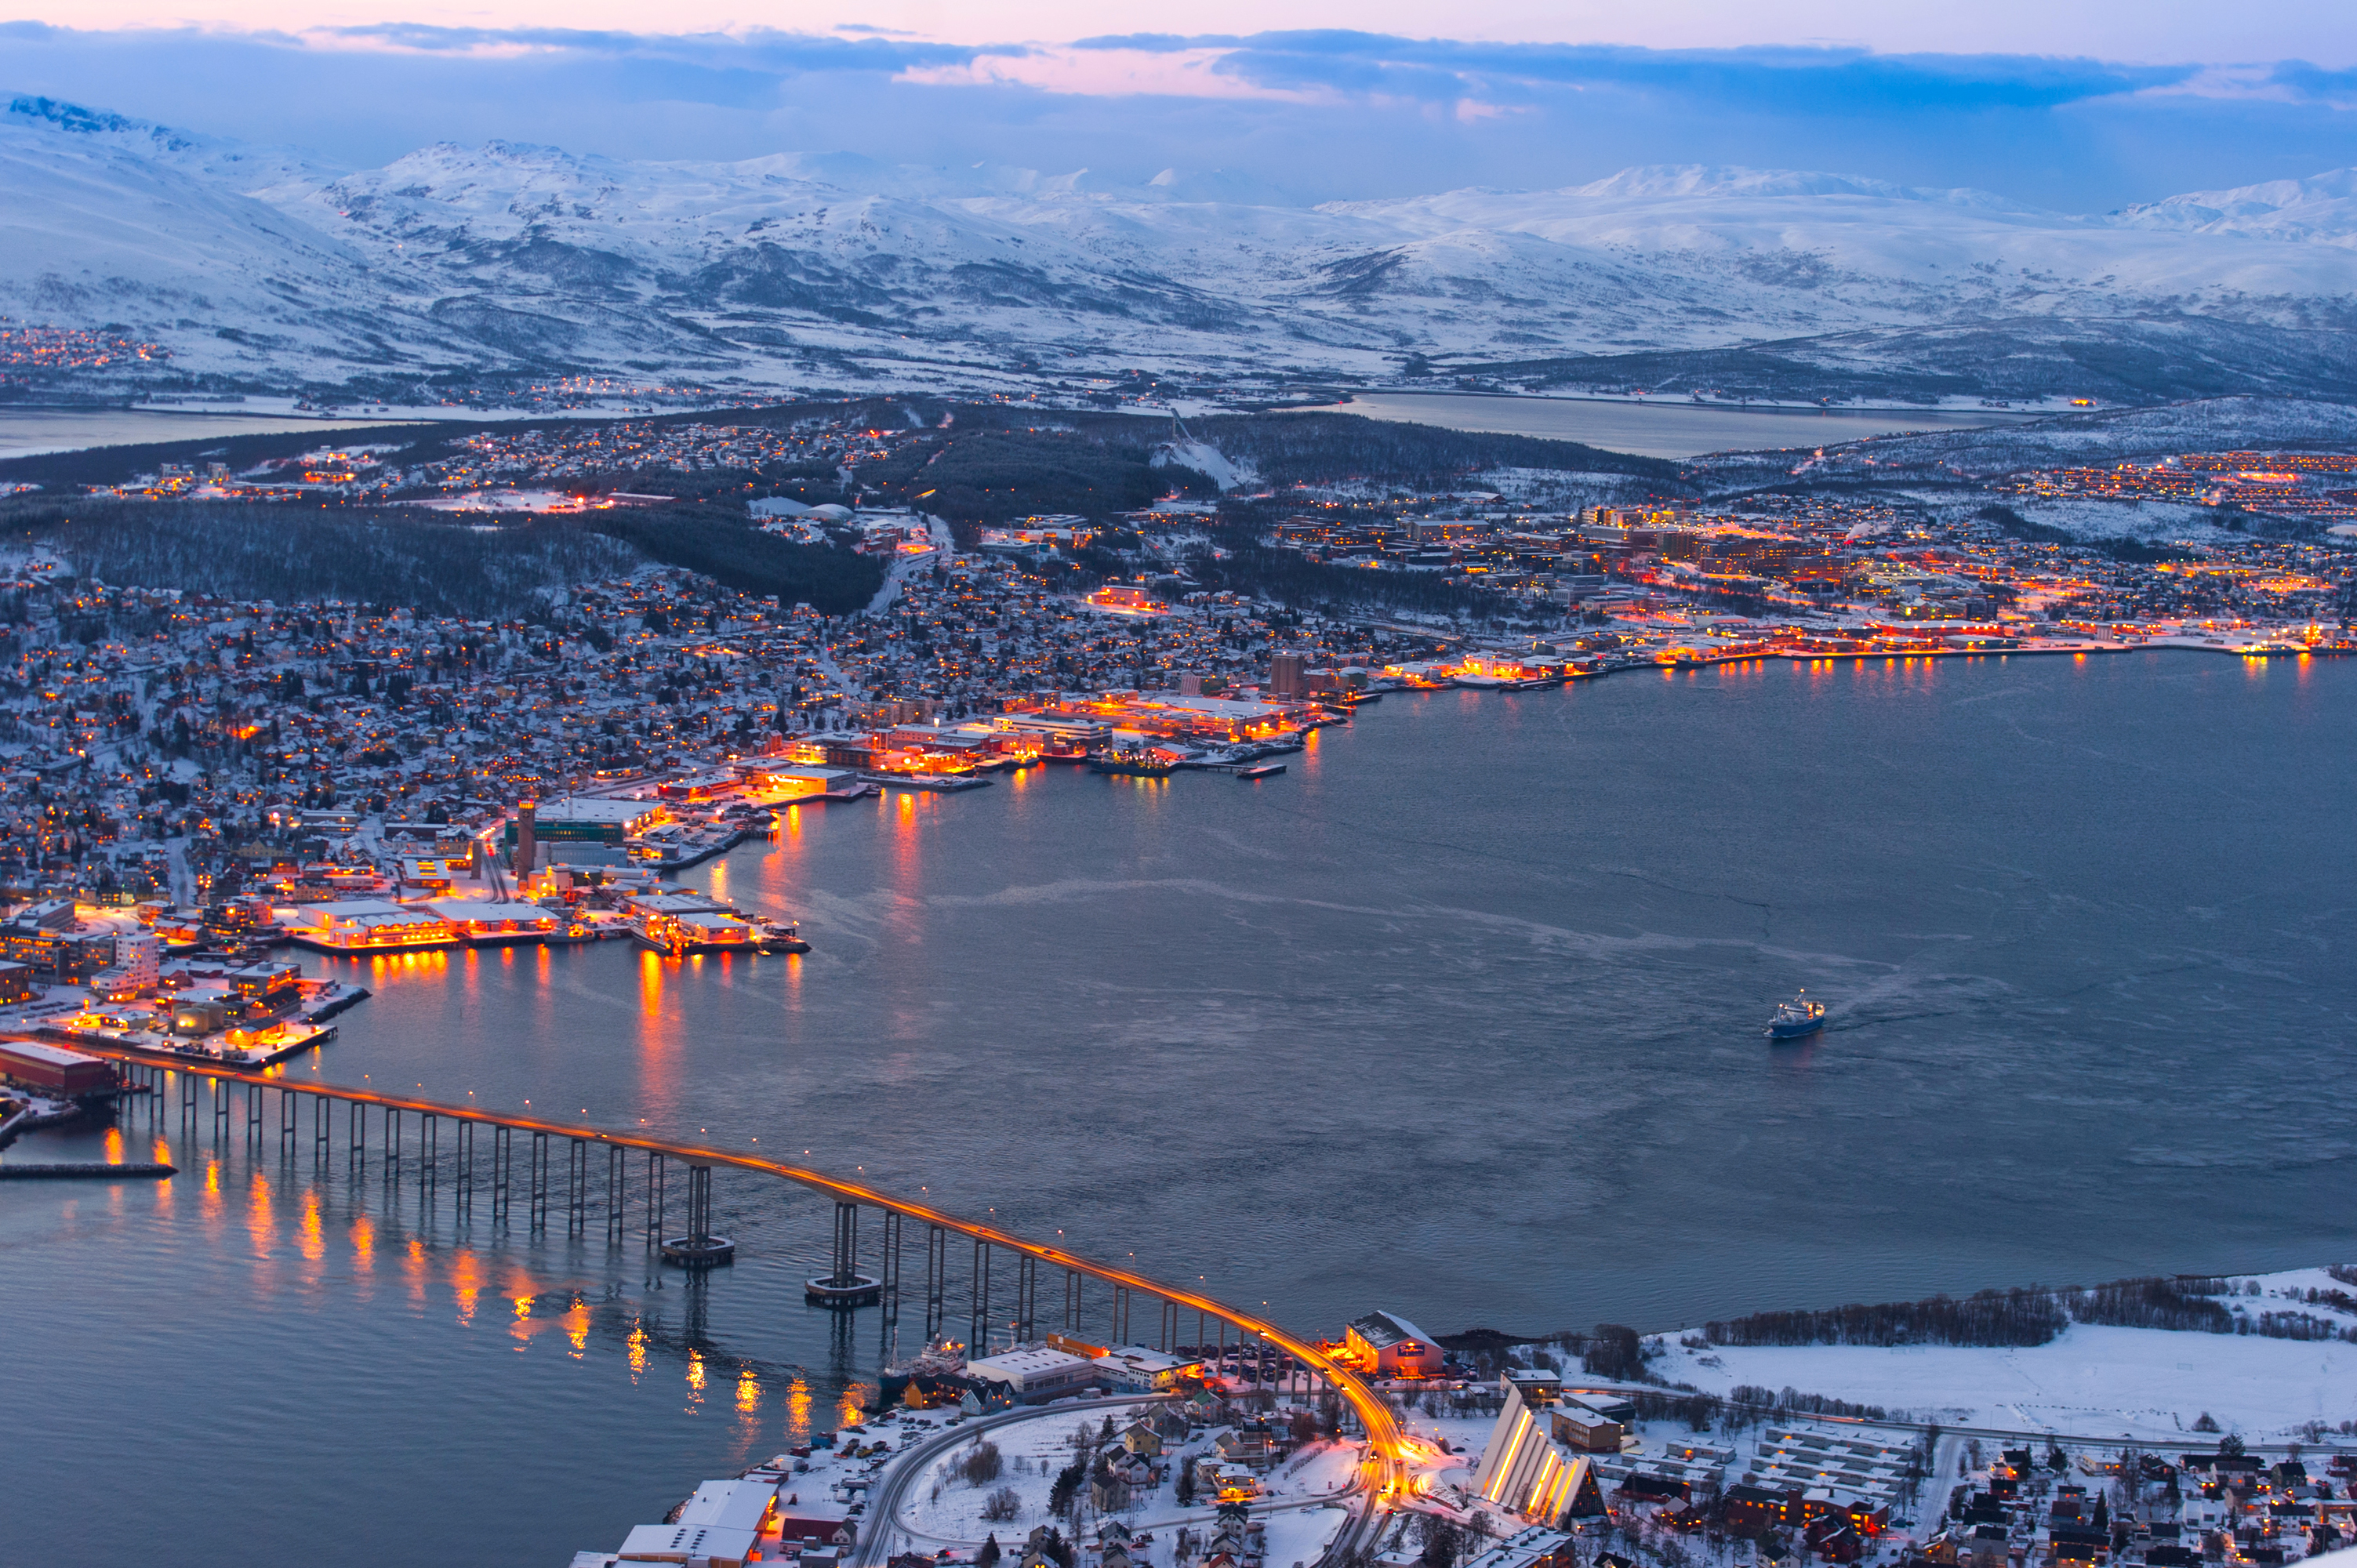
1036,1374
1524,1471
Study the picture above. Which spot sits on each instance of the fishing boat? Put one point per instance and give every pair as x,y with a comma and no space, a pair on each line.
1132,762
1795,1018
934,1376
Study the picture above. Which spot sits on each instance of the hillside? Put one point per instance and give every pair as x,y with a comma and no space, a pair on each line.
485,273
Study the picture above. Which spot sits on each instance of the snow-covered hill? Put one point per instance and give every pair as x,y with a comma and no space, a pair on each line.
260,266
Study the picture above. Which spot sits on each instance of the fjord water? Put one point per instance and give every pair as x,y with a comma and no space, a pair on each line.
1662,427
1460,1016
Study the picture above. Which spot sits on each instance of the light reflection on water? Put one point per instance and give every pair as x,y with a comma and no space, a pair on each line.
1459,1016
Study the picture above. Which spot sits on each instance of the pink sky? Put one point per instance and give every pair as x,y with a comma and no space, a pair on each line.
2165,31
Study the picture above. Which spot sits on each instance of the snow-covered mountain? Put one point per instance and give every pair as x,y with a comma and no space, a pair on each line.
262,267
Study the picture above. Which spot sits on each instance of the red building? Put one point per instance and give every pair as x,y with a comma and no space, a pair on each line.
52,1070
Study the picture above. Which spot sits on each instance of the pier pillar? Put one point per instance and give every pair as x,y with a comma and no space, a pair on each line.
889,1269
356,1136
1071,1301
188,1097
286,1123
219,1091
980,1300
429,1161
699,1249
462,1202
391,1148
615,1195
576,1188
846,1244
502,1141
254,1111
655,1177
937,1268
1166,1337
1027,1296
539,1181
699,1203
319,1129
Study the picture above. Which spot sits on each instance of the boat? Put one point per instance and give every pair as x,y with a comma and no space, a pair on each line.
779,936
1135,762
1795,1018
934,1376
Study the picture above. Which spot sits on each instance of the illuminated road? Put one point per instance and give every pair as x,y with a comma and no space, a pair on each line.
1383,1482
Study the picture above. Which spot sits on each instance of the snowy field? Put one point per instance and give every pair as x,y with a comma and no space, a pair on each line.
2090,1380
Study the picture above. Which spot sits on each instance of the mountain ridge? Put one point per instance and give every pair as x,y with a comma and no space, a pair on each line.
513,261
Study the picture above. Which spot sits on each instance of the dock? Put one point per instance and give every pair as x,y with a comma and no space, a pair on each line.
939,782
84,1170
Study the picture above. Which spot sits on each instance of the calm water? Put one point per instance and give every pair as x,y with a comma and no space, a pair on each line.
27,432
1460,1016
1661,429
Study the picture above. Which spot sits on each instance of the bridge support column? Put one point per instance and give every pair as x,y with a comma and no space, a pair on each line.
699,1249
319,1130
980,1302
539,1181
429,1161
1121,1315
286,1123
846,1243
188,1097
655,1197
356,1137
615,1194
502,1152
889,1268
1027,1297
1071,1301
462,1202
392,1146
937,1269
576,1188
1166,1338
844,1285
221,1110
253,1112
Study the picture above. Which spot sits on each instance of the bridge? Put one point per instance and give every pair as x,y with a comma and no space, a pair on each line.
589,1177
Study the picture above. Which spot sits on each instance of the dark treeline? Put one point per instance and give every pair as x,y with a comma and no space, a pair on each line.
2018,1316
474,565
289,554
1314,448
719,543
988,478
1294,580
2030,1316
1752,1396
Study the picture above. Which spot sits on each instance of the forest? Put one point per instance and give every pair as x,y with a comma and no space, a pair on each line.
2033,1315
479,566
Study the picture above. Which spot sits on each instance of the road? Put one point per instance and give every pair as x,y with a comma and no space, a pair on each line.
892,1534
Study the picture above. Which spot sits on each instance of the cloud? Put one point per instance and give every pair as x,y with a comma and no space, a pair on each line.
1321,114
1111,72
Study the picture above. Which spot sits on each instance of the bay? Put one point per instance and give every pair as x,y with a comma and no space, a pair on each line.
27,432
1662,427
1460,1016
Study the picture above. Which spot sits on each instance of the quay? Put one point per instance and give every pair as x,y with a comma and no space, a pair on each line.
87,1170
512,1161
